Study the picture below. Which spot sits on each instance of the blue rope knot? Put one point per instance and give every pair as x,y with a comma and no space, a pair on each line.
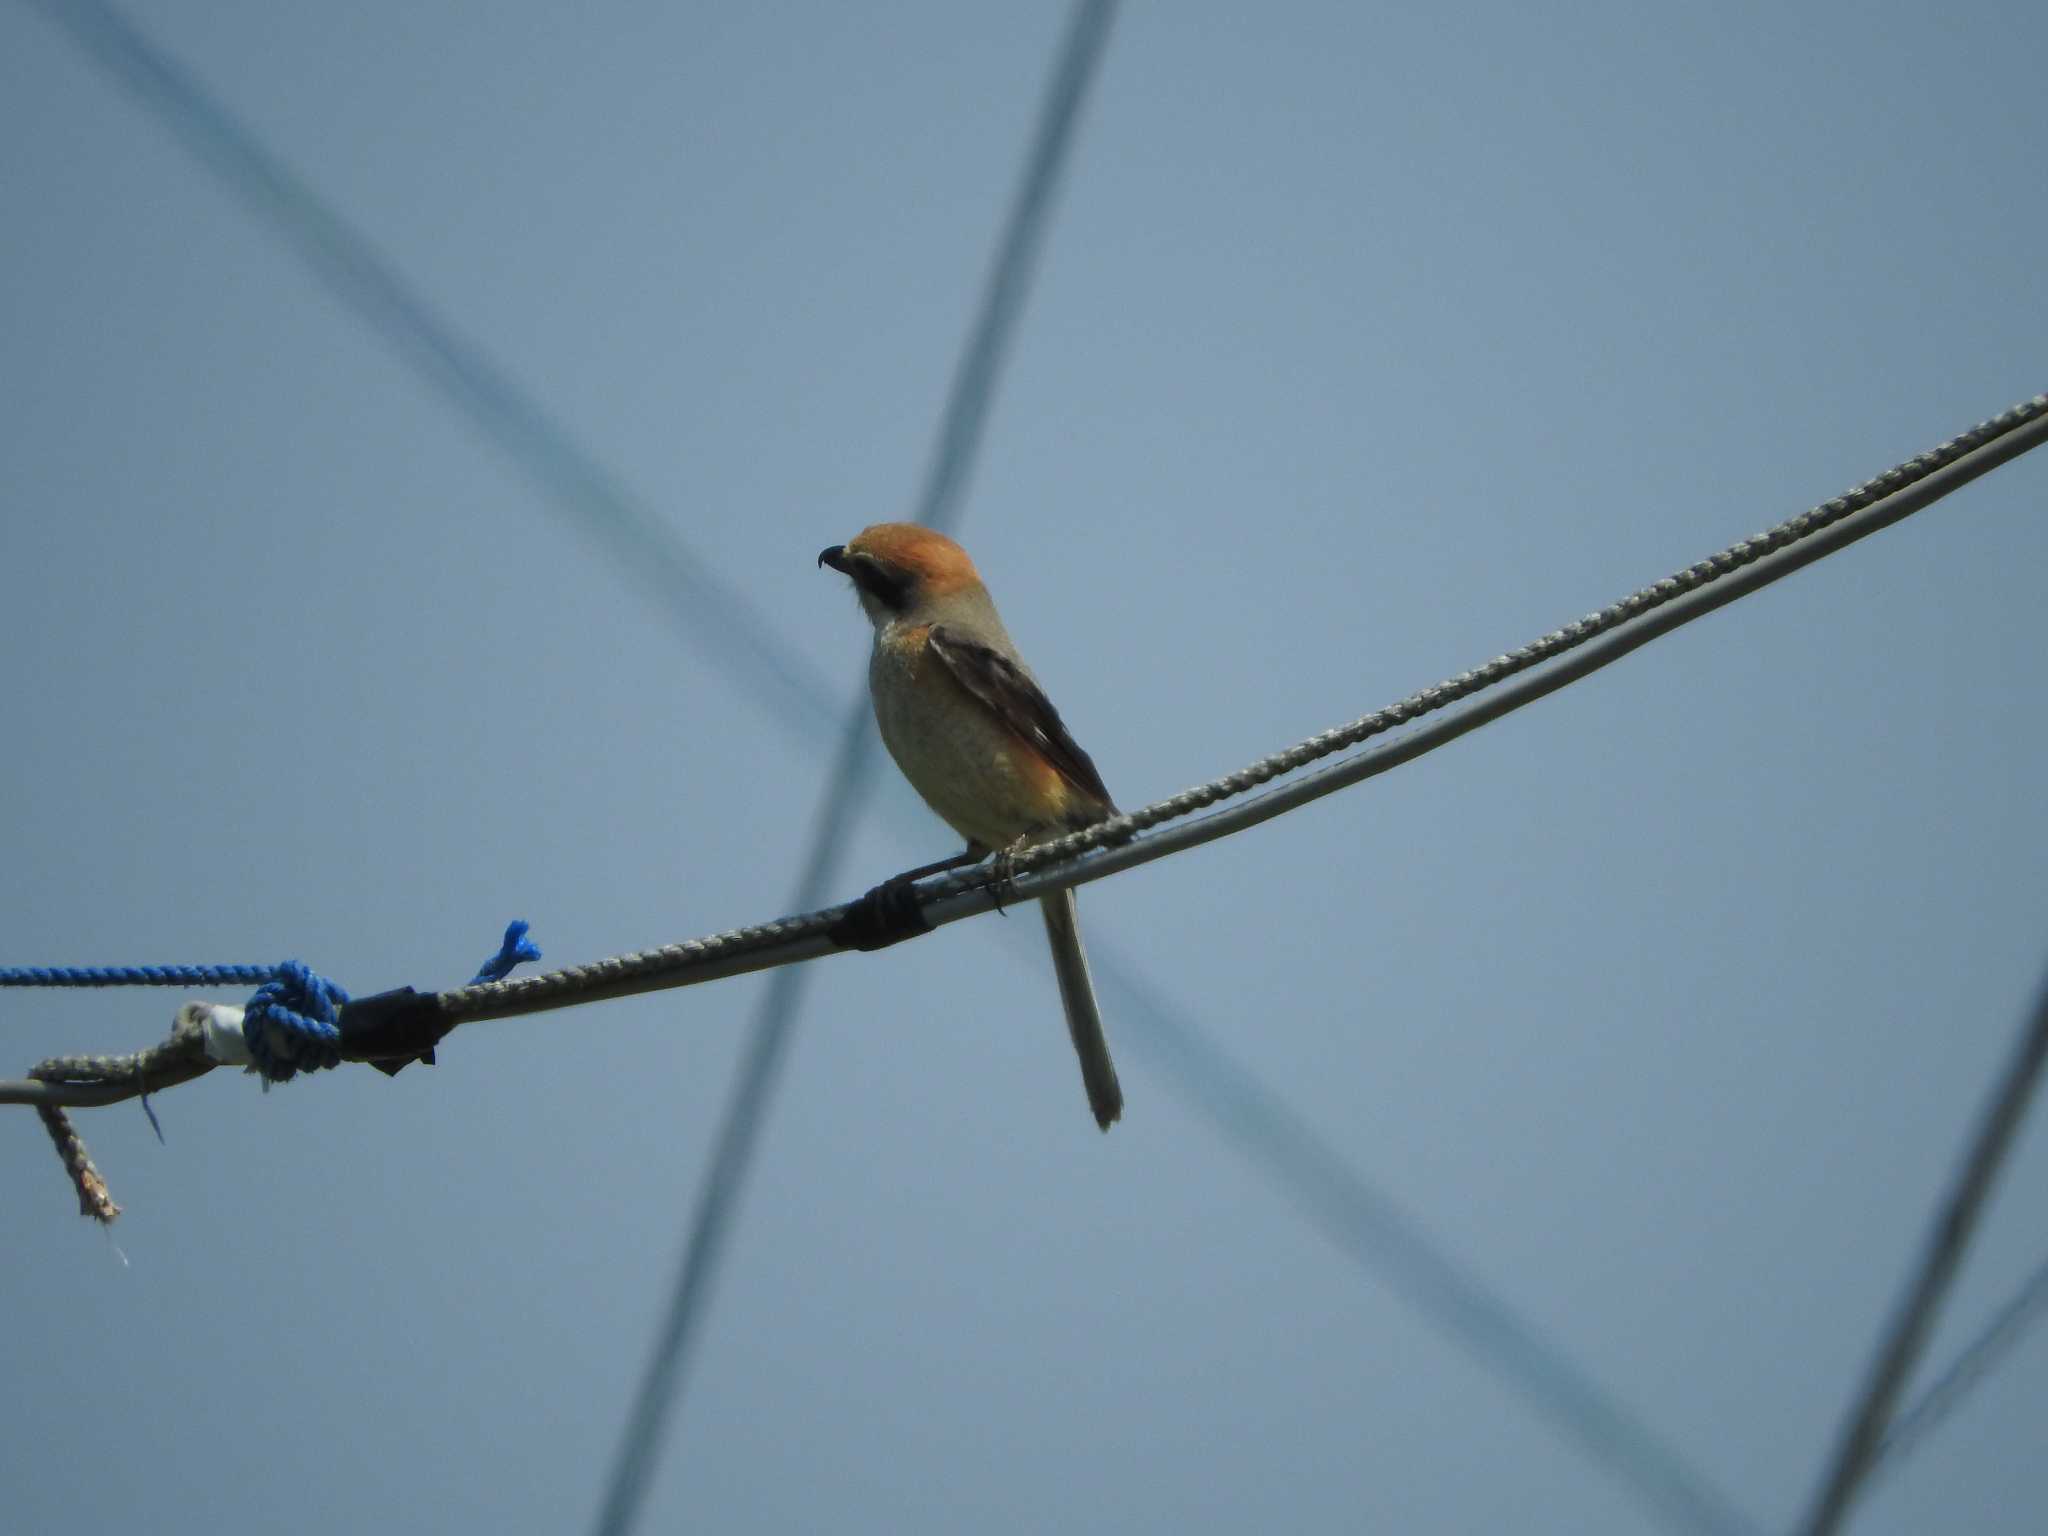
293,1023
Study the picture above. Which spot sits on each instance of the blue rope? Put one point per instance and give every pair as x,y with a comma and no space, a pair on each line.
133,975
516,950
292,1023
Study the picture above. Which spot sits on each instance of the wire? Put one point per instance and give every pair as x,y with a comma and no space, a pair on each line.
1504,684
853,775
1009,280
1906,1335
724,1180
364,279
94,1199
708,609
60,1094
1972,1364
1375,1233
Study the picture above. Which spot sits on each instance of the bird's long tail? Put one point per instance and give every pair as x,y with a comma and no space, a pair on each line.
1084,1019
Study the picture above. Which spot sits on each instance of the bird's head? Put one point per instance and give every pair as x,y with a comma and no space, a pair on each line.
900,570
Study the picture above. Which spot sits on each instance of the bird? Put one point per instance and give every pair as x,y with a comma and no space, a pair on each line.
975,735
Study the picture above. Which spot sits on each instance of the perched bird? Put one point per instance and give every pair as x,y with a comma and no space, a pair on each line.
977,738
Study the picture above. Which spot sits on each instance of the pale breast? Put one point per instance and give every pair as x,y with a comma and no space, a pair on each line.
967,766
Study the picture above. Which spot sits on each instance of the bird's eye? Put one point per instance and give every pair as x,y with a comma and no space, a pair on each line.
886,584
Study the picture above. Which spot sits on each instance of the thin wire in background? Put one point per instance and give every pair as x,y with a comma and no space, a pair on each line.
711,613
1973,1363
718,619
1371,1229
1905,1336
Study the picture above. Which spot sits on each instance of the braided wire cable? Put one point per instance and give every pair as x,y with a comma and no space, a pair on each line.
90,1082
174,1060
127,1067
169,1060
1598,639
94,1199
1116,844
730,953
1716,567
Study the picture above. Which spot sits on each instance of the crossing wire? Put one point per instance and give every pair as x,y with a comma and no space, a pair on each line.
708,609
1905,1336
1972,1364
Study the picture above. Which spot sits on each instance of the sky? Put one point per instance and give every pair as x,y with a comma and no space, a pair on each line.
1367,343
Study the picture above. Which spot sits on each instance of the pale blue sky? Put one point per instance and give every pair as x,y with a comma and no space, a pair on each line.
1368,342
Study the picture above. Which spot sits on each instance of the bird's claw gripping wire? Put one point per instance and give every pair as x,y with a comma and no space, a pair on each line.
1002,876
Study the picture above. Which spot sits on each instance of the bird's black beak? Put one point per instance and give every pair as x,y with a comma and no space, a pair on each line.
875,579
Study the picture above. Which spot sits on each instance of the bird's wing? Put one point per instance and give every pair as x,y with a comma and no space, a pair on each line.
1019,703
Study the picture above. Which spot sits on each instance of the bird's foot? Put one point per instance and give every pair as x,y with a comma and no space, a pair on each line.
1002,872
